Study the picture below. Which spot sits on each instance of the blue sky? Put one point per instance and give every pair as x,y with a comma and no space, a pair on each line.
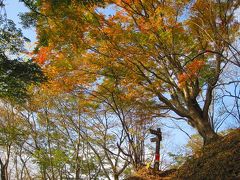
13,8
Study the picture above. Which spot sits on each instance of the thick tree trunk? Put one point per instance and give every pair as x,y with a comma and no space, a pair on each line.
205,130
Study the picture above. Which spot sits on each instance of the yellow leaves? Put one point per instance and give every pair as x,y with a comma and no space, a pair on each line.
51,71
121,16
122,2
148,165
113,32
182,79
66,75
143,25
90,45
118,2
46,6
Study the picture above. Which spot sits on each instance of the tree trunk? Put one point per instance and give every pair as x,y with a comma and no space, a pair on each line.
116,176
78,171
205,130
44,173
4,173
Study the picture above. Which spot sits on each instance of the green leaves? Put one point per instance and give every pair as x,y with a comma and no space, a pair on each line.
57,158
15,74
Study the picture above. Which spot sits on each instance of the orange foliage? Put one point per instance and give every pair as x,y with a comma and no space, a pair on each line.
124,46
42,55
119,2
192,71
194,67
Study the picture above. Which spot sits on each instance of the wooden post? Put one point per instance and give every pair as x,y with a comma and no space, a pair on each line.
157,139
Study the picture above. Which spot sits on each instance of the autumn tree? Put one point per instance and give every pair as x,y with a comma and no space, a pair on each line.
134,119
102,130
172,51
13,133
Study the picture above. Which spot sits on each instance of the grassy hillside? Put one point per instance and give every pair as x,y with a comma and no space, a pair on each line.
219,160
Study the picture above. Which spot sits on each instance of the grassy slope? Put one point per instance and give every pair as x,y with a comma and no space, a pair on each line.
219,160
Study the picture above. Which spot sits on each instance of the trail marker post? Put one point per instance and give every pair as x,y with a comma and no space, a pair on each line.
156,139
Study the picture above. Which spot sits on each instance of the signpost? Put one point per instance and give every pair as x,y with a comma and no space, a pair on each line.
156,139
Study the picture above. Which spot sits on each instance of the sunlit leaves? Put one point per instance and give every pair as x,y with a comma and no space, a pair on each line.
191,72
140,51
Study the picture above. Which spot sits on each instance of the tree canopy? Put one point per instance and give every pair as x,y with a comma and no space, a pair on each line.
170,52
16,72
116,71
